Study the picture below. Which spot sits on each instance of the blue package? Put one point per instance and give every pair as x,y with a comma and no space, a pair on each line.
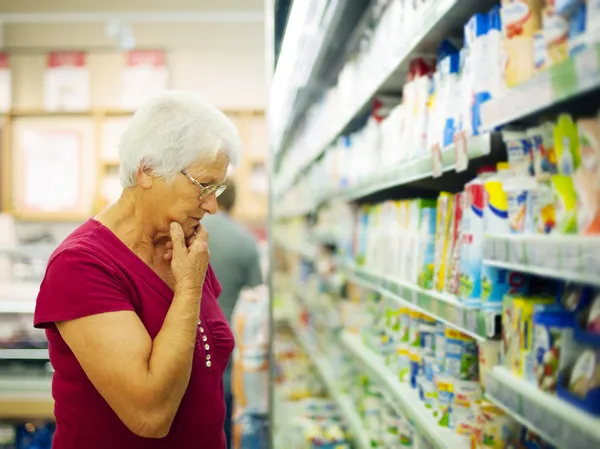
476,27
577,22
35,436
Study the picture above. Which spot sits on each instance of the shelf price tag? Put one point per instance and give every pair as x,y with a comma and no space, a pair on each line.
459,317
436,160
460,151
586,67
472,320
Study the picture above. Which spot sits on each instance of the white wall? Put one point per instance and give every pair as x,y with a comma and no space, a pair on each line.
223,61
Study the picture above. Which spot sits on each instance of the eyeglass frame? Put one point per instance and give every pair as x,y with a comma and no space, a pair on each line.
205,191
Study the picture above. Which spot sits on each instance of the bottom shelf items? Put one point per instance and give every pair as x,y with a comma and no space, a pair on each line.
347,408
402,395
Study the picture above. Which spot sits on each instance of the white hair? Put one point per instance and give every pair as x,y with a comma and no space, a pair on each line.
172,131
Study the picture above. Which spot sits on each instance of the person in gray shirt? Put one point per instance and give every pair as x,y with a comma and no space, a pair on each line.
235,260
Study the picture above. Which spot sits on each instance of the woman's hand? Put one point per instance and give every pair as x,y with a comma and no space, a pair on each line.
189,261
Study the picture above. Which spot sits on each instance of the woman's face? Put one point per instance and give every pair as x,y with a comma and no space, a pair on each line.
180,200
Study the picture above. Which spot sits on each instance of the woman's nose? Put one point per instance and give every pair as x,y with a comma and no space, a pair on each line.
209,204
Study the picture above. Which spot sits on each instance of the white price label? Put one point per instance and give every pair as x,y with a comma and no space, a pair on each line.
436,160
414,297
472,320
459,317
586,67
460,151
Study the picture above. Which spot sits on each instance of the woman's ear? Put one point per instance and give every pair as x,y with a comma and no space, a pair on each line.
144,177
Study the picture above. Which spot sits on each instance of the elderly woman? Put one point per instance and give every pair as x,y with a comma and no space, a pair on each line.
129,301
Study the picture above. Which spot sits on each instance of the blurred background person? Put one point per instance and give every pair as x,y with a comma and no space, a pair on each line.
235,260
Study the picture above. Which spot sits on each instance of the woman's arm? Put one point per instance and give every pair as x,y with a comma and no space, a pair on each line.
142,380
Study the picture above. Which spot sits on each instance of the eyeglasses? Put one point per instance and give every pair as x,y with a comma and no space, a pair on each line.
205,191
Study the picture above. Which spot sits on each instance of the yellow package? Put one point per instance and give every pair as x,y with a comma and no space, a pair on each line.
442,238
524,308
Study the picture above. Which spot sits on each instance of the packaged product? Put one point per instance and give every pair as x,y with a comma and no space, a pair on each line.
414,346
555,29
472,234
453,264
566,145
476,31
541,139
521,19
545,219
402,241
448,68
521,194
517,315
494,281
467,393
495,427
460,362
587,177
464,422
565,204
495,54
552,335
519,151
405,432
426,249
403,358
427,331
442,239
489,357
582,386
577,32
593,321
524,310
420,237
427,393
445,398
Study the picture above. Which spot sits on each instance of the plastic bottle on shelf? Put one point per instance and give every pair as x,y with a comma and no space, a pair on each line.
472,234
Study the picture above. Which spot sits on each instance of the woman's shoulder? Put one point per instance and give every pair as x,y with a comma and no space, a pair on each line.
85,245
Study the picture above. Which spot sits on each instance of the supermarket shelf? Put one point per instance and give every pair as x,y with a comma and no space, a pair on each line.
336,24
26,398
570,79
403,395
572,258
34,251
474,322
24,354
25,307
422,168
19,291
306,250
346,406
552,418
436,22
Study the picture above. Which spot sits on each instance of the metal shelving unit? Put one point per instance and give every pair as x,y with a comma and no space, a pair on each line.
572,258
